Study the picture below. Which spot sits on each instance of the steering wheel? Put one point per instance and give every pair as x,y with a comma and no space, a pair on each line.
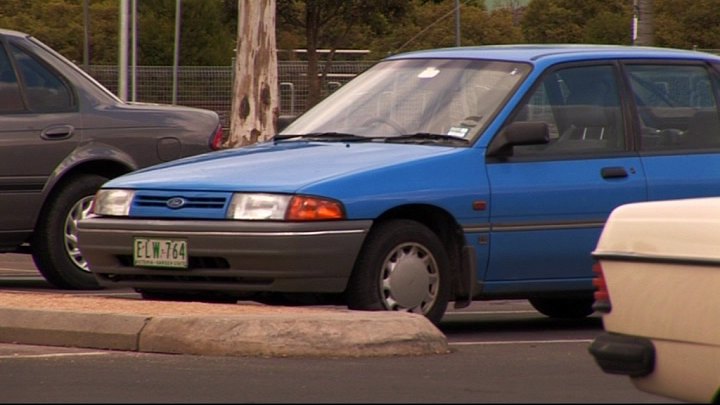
387,122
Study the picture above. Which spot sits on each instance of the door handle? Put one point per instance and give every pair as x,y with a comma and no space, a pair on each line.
613,172
57,132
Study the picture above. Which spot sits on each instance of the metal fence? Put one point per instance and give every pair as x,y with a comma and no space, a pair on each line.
211,87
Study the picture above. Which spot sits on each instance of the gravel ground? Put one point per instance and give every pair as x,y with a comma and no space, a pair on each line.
68,302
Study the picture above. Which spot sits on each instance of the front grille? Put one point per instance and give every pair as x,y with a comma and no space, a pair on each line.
180,204
191,202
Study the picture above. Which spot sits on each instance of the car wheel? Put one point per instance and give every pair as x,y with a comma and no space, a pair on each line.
403,266
54,245
569,308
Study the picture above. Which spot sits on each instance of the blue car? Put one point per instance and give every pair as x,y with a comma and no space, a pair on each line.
436,176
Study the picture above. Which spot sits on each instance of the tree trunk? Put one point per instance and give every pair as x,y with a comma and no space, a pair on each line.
644,14
255,102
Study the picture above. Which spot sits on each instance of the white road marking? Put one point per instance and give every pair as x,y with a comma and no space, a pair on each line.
35,356
29,271
525,311
521,342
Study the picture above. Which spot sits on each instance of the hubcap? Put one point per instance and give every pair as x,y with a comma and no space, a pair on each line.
410,279
79,211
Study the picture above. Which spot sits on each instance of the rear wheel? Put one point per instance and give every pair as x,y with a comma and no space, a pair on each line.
54,245
402,267
568,308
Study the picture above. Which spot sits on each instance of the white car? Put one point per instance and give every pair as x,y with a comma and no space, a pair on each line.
658,290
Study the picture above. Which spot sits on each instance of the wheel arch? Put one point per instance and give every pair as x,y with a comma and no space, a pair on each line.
440,222
103,167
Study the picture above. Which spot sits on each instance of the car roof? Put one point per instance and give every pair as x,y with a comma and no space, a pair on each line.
553,53
7,32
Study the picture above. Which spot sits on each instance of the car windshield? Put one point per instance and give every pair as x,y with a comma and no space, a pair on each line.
416,100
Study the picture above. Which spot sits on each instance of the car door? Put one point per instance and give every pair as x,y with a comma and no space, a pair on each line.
549,202
39,126
680,144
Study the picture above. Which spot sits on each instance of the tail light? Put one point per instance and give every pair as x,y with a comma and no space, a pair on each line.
217,139
601,295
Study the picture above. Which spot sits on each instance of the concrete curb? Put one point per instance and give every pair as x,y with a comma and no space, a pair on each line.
256,332
274,335
62,328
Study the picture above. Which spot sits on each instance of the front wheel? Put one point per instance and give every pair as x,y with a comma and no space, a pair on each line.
54,245
402,267
568,308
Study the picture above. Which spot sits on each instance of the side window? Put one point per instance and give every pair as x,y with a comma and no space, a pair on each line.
45,90
581,106
10,98
677,106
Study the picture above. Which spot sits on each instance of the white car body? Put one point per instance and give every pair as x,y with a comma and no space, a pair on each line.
661,267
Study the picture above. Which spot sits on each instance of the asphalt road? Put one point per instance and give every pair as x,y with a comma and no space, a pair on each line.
501,352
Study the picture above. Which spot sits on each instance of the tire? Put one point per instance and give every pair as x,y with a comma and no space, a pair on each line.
565,308
54,245
403,266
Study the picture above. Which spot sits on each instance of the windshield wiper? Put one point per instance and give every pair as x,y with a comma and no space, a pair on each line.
323,136
427,137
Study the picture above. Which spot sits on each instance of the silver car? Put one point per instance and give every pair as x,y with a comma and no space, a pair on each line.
62,136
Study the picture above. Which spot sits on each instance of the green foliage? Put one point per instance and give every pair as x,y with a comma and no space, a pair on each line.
337,24
103,32
208,29
571,21
427,22
608,28
431,24
687,23
58,22
205,39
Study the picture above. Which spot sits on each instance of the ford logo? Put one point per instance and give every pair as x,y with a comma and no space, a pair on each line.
176,202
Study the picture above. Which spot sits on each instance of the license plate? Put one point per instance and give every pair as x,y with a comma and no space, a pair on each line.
151,252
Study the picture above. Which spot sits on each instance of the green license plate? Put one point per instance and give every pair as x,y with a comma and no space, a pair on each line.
151,252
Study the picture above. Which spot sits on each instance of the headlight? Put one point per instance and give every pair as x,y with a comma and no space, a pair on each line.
258,206
115,202
283,207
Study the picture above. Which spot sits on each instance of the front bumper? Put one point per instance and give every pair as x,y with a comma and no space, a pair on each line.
315,257
622,354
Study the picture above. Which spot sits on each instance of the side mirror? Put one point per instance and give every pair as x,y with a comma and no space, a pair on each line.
519,133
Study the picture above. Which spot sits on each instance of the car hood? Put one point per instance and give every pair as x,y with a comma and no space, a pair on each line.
281,167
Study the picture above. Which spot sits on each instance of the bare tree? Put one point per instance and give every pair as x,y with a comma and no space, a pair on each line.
643,12
255,103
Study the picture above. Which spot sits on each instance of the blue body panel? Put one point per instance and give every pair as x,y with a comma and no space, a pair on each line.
682,176
553,212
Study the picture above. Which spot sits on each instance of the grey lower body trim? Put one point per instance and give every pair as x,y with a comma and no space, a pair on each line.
228,255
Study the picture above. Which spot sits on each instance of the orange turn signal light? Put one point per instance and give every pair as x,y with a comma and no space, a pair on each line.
306,208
